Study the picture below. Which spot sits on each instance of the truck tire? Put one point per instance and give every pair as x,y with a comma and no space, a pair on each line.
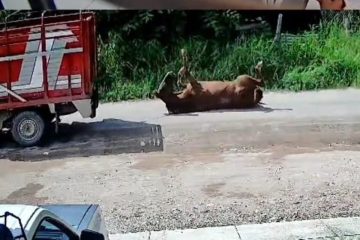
28,128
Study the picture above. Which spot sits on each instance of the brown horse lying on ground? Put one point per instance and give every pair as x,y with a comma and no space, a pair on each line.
243,92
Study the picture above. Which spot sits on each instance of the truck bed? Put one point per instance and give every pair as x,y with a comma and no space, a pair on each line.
45,60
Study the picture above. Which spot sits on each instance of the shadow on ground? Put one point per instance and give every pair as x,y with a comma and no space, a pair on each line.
111,136
260,108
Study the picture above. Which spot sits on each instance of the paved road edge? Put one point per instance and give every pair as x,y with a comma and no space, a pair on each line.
329,229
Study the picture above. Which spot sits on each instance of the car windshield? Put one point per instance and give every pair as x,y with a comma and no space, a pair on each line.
49,231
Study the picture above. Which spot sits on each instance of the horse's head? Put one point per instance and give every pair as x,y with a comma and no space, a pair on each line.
166,87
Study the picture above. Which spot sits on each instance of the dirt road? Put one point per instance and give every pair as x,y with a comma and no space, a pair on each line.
296,158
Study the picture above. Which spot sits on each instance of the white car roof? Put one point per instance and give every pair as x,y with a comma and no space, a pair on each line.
24,212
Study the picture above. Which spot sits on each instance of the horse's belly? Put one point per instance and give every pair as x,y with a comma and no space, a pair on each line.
221,95
208,101
217,87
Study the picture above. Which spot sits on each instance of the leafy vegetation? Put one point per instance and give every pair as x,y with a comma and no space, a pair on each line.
326,56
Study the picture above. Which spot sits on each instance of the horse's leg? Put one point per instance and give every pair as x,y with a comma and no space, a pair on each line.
257,82
258,95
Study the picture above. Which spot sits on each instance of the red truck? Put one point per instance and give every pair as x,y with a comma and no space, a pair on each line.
48,67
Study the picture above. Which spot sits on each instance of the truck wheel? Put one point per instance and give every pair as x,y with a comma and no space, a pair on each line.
28,128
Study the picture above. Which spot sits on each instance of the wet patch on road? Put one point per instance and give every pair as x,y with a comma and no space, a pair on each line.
240,195
148,162
214,190
111,136
25,195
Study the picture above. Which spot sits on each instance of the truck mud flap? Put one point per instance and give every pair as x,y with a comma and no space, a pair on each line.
3,117
94,103
84,107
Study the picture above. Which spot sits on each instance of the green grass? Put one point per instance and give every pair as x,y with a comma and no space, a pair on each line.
326,58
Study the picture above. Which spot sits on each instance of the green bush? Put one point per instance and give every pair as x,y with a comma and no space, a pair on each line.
326,57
